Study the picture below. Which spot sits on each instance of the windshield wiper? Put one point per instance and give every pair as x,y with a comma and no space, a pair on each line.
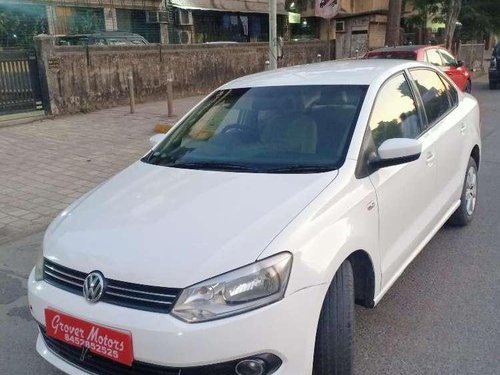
216,166
300,169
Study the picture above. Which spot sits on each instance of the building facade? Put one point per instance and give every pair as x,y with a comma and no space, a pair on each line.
355,27
208,21
159,21
86,16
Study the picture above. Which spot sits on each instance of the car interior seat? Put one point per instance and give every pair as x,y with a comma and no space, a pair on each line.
289,128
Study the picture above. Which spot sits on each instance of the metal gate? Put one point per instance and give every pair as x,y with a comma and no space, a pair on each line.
19,82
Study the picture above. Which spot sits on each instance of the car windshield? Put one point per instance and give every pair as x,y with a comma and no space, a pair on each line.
284,129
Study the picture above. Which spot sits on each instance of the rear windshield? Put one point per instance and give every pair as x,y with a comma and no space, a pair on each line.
393,55
287,129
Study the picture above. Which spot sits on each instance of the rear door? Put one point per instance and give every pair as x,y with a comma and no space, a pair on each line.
440,101
404,192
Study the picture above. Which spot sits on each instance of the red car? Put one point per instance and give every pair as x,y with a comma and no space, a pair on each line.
435,55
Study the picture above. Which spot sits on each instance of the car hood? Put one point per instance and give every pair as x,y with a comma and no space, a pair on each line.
175,227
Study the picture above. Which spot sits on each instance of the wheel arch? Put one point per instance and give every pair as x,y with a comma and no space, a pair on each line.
364,278
476,155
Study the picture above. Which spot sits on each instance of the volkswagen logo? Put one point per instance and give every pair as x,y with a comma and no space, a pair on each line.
93,286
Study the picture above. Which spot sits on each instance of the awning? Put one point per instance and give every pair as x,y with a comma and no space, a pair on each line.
243,6
125,4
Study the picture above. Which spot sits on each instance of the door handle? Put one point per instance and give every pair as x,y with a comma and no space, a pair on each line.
429,159
463,127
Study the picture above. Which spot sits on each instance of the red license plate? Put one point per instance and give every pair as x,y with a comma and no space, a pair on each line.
103,341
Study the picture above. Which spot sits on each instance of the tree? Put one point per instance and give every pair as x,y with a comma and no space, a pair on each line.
478,17
20,23
424,9
452,12
392,34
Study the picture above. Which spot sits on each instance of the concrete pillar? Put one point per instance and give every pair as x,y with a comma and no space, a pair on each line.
44,45
164,37
110,21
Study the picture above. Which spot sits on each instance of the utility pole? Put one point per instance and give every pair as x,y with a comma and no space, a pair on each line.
392,35
273,35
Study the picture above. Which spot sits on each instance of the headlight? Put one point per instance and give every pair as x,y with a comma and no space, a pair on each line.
39,264
235,292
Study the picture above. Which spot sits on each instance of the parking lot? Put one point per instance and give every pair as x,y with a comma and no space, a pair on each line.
441,317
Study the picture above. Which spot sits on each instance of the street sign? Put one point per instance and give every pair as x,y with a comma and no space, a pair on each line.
326,8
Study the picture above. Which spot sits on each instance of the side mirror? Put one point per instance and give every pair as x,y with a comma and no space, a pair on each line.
396,151
155,139
459,63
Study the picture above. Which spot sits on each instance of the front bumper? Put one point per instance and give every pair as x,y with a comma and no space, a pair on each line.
286,329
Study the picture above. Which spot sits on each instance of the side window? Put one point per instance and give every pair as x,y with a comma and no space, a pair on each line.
452,92
394,113
433,57
433,92
448,59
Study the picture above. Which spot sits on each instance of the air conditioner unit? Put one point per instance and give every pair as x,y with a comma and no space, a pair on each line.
339,26
184,17
152,17
184,37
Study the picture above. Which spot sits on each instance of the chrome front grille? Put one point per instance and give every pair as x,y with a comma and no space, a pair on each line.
135,296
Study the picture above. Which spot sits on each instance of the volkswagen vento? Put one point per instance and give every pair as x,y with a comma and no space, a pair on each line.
241,241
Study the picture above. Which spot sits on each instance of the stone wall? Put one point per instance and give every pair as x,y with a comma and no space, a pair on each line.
82,79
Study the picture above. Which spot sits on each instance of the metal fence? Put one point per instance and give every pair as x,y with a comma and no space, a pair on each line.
19,82
472,55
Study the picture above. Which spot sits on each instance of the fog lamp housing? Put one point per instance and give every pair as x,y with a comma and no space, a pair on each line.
251,367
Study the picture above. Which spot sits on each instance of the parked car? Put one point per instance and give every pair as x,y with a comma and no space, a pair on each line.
494,70
240,243
103,38
435,55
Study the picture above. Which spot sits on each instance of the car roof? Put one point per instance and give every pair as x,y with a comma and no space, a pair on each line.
340,72
102,34
403,48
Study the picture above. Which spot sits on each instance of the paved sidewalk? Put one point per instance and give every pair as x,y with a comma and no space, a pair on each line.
46,165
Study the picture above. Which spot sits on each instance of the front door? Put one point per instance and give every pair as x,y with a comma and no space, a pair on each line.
451,68
404,192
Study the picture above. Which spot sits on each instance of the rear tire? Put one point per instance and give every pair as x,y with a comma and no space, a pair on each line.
465,212
333,351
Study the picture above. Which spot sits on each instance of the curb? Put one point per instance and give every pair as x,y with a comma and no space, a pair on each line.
21,120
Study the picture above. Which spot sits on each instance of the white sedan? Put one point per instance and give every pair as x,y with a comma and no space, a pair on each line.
240,243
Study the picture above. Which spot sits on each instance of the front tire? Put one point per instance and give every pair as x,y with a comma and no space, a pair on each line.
465,212
334,349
